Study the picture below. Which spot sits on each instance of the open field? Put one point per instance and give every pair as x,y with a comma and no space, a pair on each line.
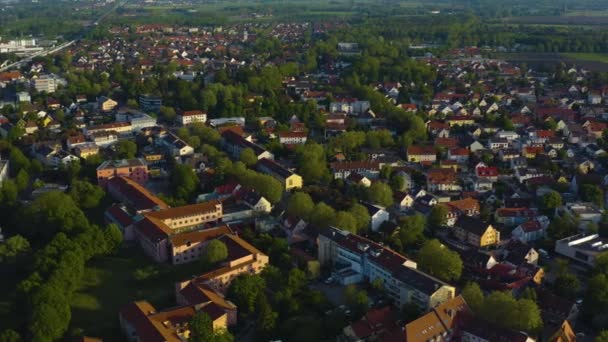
561,20
110,283
591,57
586,13
589,61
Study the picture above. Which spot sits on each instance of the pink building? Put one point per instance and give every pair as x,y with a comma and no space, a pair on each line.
135,169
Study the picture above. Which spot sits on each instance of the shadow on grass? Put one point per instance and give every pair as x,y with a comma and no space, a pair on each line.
110,283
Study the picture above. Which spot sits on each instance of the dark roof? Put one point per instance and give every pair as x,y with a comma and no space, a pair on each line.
472,225
270,166
135,195
419,280
491,332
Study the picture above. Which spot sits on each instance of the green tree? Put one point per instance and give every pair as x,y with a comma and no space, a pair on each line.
184,182
168,113
112,237
312,163
248,157
214,252
9,193
562,227
323,215
22,180
592,193
595,305
50,314
125,149
201,330
411,229
551,201
345,221
503,310
356,299
602,337
266,318
244,290
85,194
50,213
13,246
361,215
438,216
439,261
10,336
473,295
601,263
300,205
380,193
567,285
397,182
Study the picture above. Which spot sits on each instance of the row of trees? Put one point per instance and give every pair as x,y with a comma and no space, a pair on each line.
69,241
501,309
355,219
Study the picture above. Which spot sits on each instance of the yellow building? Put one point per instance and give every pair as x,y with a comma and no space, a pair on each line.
106,104
419,154
476,232
289,179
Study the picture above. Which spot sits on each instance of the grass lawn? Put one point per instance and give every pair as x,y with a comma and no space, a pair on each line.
592,57
109,284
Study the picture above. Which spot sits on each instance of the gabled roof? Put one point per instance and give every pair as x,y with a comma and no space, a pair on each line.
472,225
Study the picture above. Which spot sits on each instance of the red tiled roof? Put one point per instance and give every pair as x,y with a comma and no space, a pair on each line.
420,150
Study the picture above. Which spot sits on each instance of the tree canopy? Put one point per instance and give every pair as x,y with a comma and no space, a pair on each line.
214,252
439,261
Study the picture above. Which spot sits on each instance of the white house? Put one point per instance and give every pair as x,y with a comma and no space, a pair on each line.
377,214
532,230
192,116
293,138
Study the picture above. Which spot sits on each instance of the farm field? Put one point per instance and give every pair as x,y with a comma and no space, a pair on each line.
589,61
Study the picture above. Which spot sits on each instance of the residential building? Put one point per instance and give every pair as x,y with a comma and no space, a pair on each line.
342,170
123,129
189,246
293,138
47,83
135,169
138,120
141,322
174,145
154,230
376,325
378,215
191,116
442,179
356,258
234,144
289,179
532,230
350,106
512,217
243,258
150,103
585,212
476,232
419,154
582,248
137,198
106,104
86,150
441,323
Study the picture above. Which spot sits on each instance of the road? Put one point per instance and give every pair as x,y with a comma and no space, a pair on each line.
52,50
